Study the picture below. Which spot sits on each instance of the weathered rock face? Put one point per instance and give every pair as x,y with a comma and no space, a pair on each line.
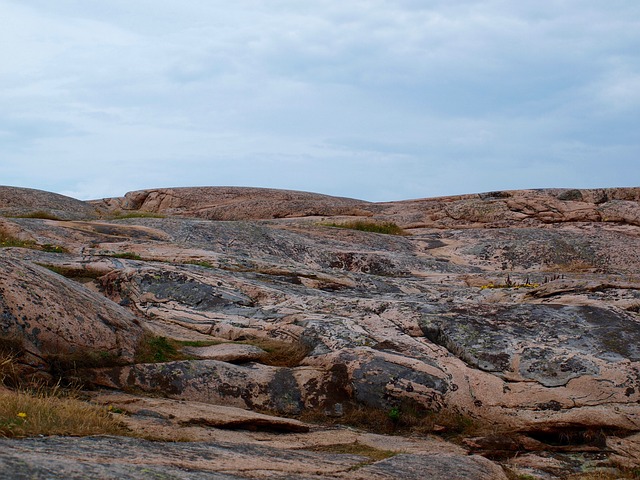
233,203
52,315
495,209
518,208
18,201
550,344
520,310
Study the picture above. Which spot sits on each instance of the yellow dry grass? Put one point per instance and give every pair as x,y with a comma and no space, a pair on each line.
41,412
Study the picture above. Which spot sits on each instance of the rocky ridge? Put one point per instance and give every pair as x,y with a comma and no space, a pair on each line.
514,311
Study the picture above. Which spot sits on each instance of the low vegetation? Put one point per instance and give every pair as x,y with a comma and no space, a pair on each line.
280,353
73,272
29,408
401,420
68,367
41,411
388,228
356,448
509,283
158,349
9,240
38,214
125,215
201,263
574,266
126,255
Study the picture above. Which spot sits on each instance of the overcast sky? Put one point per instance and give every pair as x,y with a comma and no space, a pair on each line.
377,99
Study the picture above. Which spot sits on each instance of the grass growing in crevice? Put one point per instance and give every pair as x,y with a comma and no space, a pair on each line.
48,247
280,353
9,240
37,214
355,448
158,349
72,273
126,255
200,263
622,473
68,367
387,228
124,216
402,420
34,408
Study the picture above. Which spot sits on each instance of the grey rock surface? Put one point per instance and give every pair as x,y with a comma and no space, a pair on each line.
102,457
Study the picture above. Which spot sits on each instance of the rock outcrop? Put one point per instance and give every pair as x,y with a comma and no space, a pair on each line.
232,203
517,312
20,202
494,209
51,316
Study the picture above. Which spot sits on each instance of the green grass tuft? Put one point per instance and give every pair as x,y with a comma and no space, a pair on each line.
158,349
200,263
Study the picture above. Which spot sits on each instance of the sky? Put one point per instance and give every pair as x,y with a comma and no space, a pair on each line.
378,99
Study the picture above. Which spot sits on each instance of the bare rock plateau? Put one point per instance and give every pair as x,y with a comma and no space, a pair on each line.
255,333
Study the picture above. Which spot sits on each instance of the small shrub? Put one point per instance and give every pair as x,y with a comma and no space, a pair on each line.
387,228
394,414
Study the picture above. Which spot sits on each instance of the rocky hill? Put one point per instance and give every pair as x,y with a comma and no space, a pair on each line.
492,336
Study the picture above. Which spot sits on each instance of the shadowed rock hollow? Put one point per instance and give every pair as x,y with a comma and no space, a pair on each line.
516,312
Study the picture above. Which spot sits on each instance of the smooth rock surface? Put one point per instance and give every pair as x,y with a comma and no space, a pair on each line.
18,201
52,315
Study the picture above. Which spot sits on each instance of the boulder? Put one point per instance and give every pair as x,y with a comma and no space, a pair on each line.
51,315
